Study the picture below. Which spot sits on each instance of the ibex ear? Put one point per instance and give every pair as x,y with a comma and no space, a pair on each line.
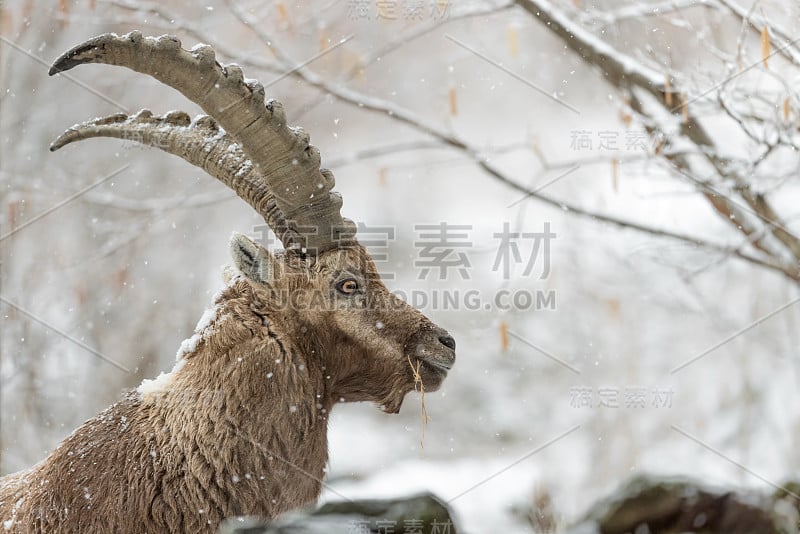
253,260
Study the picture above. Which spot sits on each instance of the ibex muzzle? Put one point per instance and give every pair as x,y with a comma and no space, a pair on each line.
239,427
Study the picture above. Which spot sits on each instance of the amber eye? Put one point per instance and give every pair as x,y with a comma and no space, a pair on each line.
348,287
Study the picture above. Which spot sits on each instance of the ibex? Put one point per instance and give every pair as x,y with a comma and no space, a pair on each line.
239,426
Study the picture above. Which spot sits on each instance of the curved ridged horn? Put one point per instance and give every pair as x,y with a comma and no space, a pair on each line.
282,155
200,142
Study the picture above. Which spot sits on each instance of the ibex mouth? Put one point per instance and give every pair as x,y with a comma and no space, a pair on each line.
435,350
437,365
433,373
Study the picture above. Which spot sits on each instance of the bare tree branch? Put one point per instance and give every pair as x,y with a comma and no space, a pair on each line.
746,15
637,80
644,9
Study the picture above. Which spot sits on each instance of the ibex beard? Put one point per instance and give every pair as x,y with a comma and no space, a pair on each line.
239,427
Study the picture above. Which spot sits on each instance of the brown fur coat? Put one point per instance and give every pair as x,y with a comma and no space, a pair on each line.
185,454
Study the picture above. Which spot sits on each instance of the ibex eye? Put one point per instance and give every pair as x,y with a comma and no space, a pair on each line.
348,286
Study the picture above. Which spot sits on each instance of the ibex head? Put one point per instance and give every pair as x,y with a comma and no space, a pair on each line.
324,287
366,338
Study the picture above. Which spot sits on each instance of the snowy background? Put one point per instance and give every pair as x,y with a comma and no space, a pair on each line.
128,267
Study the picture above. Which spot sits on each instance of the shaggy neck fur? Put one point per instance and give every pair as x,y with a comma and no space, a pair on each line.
183,453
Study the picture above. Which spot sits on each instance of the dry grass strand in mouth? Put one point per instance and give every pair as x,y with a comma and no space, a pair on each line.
424,412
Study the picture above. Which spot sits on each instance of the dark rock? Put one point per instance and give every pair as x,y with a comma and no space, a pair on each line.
657,505
420,514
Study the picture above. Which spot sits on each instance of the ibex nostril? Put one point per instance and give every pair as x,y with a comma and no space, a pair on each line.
448,342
